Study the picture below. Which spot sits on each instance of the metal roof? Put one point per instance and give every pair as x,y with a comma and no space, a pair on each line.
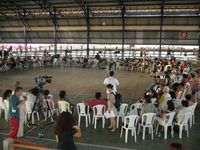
141,24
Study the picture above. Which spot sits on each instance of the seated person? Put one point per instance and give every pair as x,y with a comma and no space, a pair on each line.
148,107
170,108
48,98
63,97
66,131
96,101
182,111
164,98
7,94
188,98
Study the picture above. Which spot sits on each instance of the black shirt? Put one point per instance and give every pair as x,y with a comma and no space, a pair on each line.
66,141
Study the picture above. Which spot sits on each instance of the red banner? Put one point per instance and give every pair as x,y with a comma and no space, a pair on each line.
184,34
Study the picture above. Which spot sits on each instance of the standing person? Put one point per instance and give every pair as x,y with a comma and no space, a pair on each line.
111,107
97,57
22,111
14,104
111,80
65,131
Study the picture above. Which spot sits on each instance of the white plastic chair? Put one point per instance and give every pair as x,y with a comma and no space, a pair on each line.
153,100
134,108
184,123
147,122
63,106
168,121
29,106
177,103
122,113
82,112
98,112
4,106
183,95
192,117
130,123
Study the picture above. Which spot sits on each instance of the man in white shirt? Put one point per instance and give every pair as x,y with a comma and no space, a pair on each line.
111,80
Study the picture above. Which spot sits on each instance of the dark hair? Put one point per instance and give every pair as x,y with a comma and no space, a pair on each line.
147,98
46,92
64,123
110,86
185,103
97,95
175,85
181,84
192,75
155,94
176,146
185,76
170,105
7,93
111,73
188,97
17,89
62,94
173,94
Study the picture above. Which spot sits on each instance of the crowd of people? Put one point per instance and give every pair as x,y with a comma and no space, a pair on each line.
176,87
144,64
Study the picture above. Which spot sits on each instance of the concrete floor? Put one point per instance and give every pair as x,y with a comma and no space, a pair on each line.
82,84
79,83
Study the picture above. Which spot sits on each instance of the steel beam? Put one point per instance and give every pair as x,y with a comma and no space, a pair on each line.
79,38
41,42
46,6
199,49
88,31
86,10
56,26
22,13
107,4
97,17
1,37
161,27
123,29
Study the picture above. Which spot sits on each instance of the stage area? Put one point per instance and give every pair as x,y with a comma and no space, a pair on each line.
81,84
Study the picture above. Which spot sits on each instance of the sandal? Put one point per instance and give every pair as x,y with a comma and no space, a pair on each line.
112,131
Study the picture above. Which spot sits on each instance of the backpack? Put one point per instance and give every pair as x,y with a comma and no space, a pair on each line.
118,100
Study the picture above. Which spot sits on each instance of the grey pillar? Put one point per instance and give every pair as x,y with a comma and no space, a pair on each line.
161,27
123,31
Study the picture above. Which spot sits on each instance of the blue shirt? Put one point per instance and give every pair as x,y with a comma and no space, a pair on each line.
13,109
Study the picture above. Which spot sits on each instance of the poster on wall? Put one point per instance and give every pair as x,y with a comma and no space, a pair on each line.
183,34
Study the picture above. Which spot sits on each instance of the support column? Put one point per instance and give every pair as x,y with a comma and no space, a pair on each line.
198,57
88,31
55,31
161,27
55,40
123,30
1,37
25,38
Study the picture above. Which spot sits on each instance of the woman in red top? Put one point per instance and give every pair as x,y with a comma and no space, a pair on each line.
96,101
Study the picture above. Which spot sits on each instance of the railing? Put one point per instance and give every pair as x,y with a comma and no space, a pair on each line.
14,144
